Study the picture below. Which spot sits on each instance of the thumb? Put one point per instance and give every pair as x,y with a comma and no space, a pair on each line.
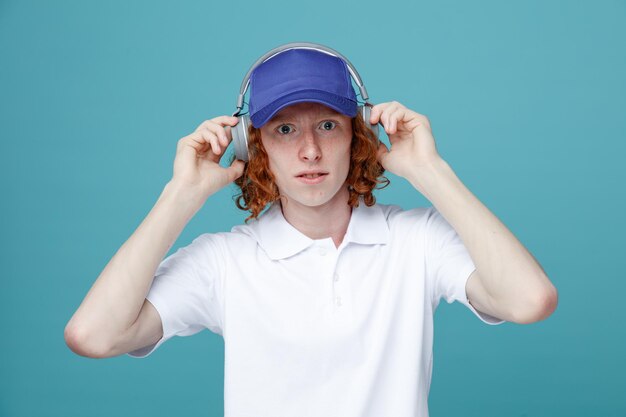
382,153
235,170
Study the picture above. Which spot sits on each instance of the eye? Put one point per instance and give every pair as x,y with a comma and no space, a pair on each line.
328,125
284,129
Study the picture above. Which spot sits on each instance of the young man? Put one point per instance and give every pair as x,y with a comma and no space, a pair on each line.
326,300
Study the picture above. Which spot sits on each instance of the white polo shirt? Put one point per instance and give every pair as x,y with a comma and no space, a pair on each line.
312,330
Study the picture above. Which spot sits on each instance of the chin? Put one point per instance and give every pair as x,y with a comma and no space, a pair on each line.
306,202
319,200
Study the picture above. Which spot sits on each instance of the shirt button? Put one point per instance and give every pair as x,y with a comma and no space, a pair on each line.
322,251
336,277
338,301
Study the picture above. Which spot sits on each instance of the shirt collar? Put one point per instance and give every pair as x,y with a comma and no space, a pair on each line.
280,240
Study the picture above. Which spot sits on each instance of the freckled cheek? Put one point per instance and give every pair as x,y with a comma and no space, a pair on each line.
274,168
277,169
346,167
343,160
337,148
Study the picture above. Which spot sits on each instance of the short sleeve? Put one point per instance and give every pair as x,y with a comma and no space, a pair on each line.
449,265
187,292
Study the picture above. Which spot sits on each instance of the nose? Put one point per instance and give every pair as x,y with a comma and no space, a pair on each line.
310,150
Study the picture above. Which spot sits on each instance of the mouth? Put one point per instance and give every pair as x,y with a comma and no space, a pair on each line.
314,177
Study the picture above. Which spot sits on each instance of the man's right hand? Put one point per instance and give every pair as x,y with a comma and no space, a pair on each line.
198,155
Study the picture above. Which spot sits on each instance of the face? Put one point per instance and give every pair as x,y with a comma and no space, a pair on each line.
308,146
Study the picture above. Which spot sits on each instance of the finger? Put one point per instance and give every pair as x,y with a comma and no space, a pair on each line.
223,132
387,112
384,118
376,112
413,120
393,118
226,120
219,121
194,141
213,140
201,142
222,137
229,133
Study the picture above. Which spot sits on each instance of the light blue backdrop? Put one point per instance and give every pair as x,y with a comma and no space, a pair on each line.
526,102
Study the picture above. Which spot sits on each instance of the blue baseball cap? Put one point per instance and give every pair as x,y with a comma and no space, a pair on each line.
297,76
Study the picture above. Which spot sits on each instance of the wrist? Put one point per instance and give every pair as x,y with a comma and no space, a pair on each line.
424,173
184,197
429,178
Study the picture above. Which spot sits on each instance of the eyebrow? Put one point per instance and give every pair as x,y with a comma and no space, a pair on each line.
283,118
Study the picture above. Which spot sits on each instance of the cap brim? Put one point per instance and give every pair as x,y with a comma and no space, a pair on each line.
335,102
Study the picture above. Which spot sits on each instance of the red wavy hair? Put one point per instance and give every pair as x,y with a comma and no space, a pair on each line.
258,186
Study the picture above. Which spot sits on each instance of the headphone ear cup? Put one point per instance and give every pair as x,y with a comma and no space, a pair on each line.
365,113
239,132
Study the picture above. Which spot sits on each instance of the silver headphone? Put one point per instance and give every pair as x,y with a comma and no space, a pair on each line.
240,130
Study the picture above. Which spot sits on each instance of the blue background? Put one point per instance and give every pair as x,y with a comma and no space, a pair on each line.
526,102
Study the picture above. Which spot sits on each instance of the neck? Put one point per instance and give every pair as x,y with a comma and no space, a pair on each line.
327,220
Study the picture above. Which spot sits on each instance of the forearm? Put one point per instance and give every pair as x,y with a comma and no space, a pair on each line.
114,301
509,273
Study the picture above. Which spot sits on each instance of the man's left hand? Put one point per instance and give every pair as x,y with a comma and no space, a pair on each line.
412,143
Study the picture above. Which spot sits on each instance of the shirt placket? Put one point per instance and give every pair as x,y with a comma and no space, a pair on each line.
339,293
